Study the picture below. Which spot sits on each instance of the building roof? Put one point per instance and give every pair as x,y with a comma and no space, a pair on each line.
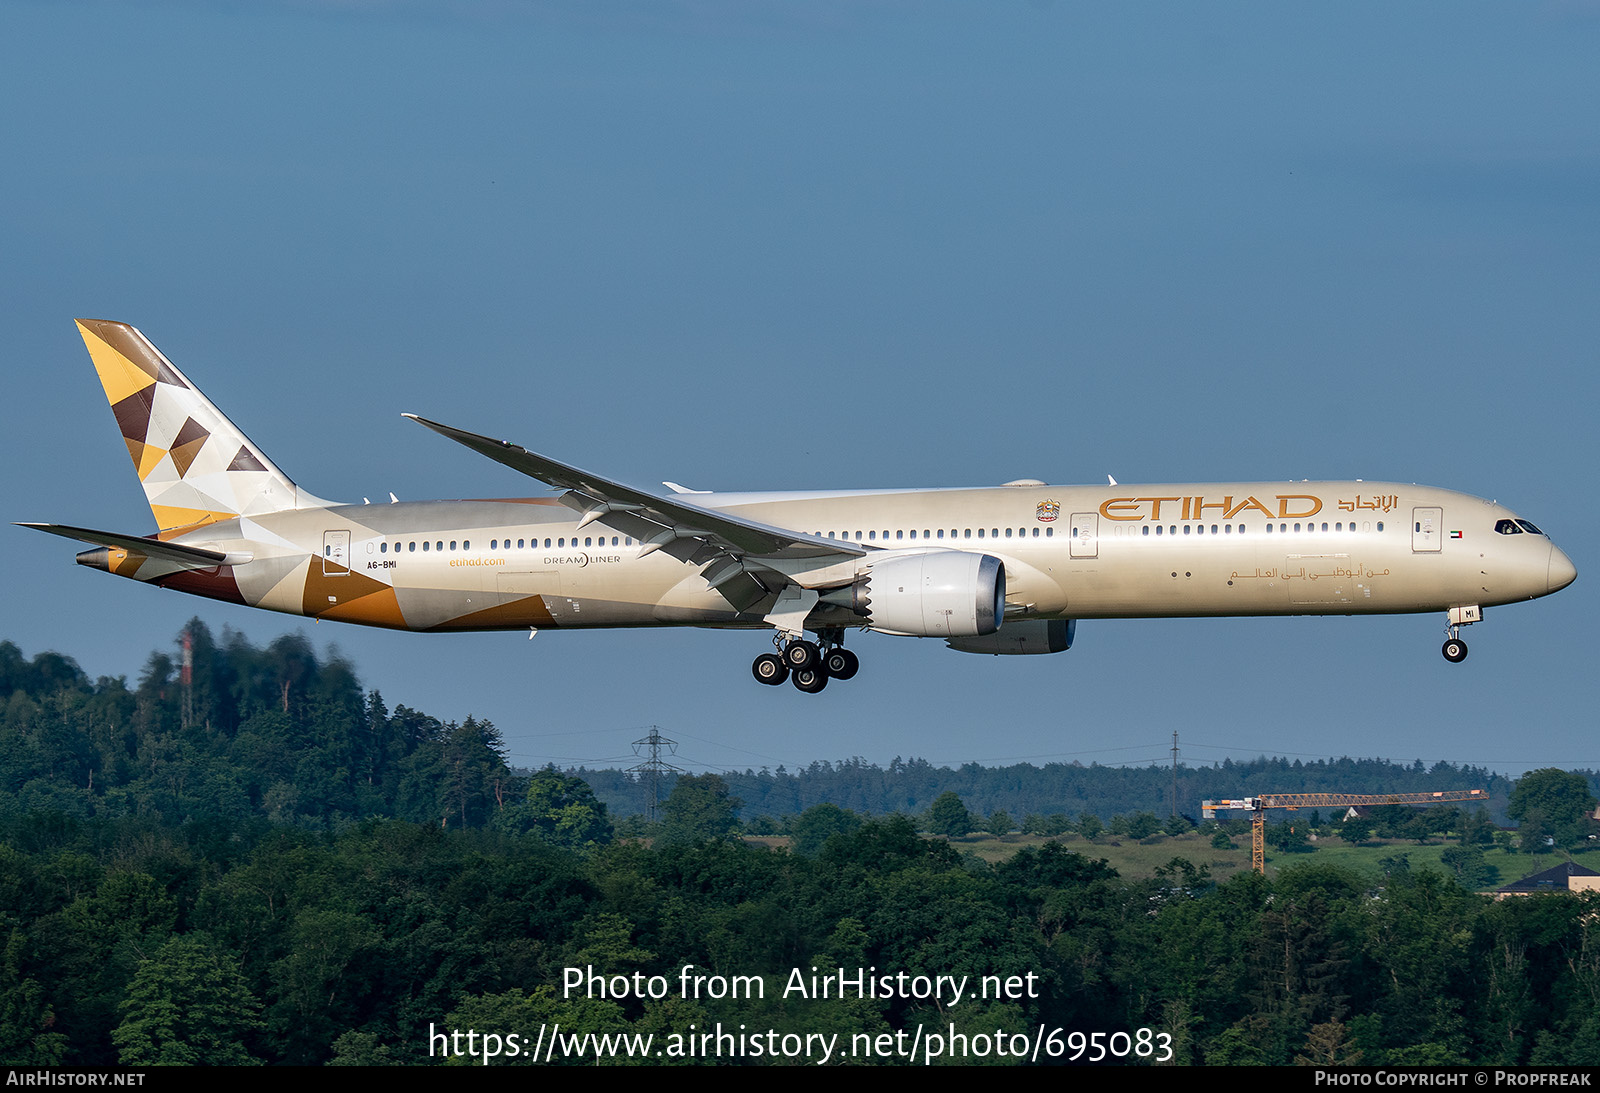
1548,880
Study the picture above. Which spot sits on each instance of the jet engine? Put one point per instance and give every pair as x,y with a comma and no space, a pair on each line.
1022,637
940,593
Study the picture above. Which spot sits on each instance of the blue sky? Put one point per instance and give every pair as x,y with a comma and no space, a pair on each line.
782,245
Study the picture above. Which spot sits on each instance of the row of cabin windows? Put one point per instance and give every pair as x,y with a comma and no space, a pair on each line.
870,536
505,544
1227,529
938,533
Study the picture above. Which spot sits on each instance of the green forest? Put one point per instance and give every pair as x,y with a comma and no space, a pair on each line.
262,863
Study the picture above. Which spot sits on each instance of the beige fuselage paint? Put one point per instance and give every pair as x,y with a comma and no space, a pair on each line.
1143,552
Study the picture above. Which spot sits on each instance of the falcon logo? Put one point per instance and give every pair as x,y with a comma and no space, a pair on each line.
1047,511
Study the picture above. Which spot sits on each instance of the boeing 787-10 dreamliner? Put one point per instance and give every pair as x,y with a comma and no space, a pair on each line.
1000,569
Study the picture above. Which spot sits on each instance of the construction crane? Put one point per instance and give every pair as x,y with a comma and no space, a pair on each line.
1258,806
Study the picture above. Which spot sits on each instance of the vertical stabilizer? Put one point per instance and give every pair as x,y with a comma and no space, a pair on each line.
196,466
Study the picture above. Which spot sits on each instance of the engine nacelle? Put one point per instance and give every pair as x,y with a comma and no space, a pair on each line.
1023,637
939,594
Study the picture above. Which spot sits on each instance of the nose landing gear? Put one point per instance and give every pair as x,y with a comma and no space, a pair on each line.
1455,650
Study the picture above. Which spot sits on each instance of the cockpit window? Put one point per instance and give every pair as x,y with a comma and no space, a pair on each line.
1507,527
1529,528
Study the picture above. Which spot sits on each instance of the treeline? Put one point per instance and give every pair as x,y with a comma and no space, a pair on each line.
274,732
912,785
285,734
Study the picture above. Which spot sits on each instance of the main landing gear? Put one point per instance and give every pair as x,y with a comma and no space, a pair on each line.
806,664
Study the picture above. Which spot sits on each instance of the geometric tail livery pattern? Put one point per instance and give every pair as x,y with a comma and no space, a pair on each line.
196,466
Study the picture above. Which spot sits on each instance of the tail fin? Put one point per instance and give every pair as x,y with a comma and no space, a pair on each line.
197,467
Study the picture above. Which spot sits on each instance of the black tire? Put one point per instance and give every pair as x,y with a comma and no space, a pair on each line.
841,663
1455,650
801,655
810,680
770,669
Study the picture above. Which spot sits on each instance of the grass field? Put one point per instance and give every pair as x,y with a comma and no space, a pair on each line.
1137,860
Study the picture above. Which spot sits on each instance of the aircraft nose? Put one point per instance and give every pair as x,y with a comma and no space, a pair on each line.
1562,571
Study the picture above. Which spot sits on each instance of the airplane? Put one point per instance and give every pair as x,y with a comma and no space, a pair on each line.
996,570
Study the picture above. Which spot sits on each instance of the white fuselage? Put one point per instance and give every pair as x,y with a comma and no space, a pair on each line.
1069,552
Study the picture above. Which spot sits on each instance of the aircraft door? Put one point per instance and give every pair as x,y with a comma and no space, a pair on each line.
335,553
1425,533
1085,535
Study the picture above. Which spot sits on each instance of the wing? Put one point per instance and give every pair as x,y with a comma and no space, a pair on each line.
690,532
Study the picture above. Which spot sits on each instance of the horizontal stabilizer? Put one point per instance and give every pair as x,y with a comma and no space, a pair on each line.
187,556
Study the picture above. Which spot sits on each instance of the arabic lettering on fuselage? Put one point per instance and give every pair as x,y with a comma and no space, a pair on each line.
1387,502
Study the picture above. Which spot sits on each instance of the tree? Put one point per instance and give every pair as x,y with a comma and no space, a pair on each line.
1469,866
948,816
1476,829
187,1006
1561,797
1356,830
813,827
999,823
1142,825
475,773
699,808
25,1014
1289,838
561,808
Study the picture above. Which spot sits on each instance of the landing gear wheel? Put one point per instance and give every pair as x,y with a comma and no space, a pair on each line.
810,680
770,669
801,655
841,663
1455,650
